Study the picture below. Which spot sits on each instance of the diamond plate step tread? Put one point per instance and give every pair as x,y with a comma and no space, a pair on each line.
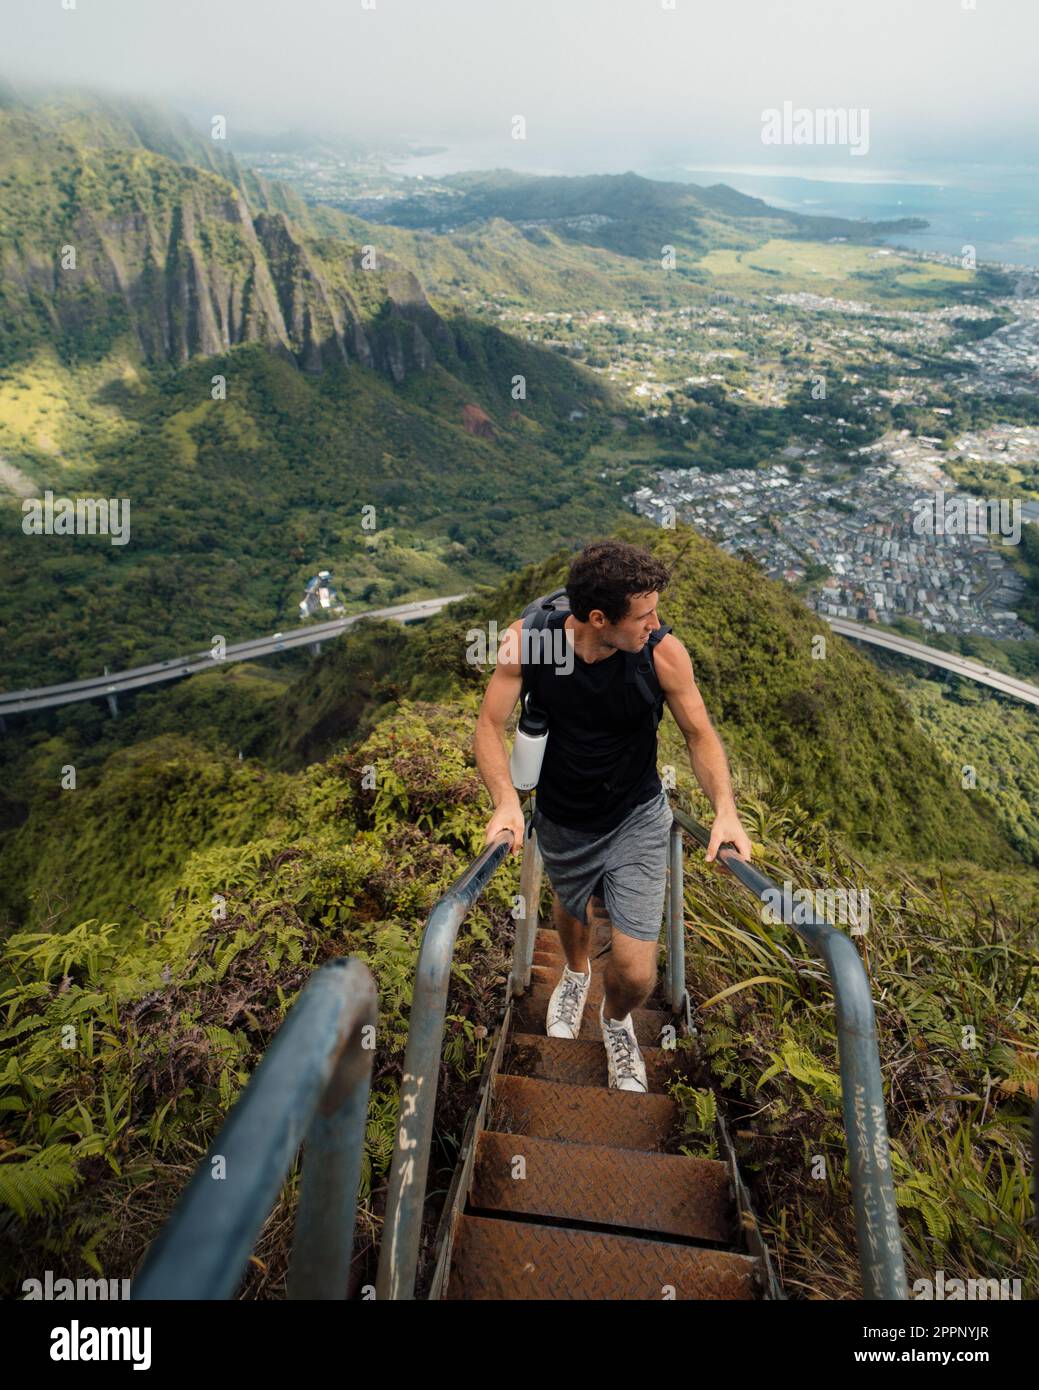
547,943
554,958
667,1193
501,1259
578,1063
547,939
581,1114
531,1009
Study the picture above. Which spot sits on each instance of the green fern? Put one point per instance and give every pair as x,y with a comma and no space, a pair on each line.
42,1182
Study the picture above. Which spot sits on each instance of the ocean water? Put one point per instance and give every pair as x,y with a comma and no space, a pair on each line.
993,209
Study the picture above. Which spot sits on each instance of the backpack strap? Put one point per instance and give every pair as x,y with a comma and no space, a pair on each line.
540,617
640,672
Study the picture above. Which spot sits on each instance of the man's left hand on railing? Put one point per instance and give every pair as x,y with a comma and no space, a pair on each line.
727,827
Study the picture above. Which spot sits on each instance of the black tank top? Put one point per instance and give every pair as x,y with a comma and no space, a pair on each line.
598,724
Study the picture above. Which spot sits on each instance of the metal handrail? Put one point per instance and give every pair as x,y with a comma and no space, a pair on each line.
398,1253
881,1257
527,913
312,1083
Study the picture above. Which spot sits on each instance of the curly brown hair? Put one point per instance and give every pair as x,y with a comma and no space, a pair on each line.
607,573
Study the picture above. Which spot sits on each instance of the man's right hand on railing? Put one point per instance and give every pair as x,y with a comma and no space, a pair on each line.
508,816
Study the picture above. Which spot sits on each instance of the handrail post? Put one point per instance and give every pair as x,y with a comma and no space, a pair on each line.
527,922
405,1197
676,921
667,926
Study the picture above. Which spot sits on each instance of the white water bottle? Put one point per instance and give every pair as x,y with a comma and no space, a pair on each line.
528,748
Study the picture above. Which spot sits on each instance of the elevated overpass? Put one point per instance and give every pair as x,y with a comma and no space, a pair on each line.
141,677
110,686
948,661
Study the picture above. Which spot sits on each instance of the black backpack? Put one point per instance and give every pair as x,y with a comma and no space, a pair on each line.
638,666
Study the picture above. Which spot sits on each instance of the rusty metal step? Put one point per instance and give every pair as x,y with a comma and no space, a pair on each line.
557,960
581,1114
547,942
531,1008
667,1193
578,1063
502,1259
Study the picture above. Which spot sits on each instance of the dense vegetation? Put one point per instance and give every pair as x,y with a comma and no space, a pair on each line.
173,1008
173,999
235,502
990,743
950,954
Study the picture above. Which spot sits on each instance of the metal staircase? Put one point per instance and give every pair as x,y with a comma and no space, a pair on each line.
576,1191
564,1189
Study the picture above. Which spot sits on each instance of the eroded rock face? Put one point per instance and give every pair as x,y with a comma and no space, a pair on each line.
177,256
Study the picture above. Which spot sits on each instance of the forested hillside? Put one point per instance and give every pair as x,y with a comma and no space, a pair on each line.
174,1001
273,390
249,383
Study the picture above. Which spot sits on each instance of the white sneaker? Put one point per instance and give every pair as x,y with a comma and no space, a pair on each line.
566,1006
623,1058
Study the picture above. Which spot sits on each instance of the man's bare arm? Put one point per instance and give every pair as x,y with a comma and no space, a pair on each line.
492,756
706,752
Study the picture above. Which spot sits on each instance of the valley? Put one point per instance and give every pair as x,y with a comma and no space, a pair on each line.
311,376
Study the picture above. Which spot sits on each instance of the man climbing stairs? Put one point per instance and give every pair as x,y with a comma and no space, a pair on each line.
577,1191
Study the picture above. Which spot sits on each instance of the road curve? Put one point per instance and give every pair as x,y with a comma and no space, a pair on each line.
139,677
949,661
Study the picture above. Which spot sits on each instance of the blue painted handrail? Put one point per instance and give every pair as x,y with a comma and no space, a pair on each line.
398,1252
312,1083
881,1257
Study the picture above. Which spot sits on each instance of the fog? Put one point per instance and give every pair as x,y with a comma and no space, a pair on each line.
601,84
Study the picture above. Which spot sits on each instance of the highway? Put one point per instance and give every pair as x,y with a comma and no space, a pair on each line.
139,677
919,651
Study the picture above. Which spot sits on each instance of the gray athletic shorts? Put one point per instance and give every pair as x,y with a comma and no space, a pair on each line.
624,866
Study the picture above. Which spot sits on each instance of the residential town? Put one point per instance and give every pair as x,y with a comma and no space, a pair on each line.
860,532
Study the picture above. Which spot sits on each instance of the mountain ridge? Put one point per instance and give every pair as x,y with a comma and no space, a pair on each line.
174,244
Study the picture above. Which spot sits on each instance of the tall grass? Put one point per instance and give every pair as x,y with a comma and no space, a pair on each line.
952,968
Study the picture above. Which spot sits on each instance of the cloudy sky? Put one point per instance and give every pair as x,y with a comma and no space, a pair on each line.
602,84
